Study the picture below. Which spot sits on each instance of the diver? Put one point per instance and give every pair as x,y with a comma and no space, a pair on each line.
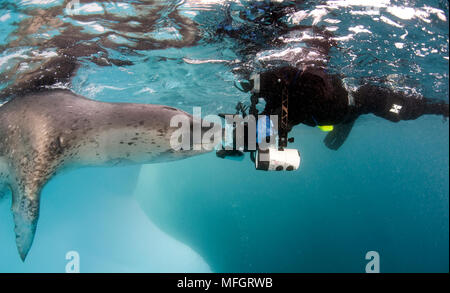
316,98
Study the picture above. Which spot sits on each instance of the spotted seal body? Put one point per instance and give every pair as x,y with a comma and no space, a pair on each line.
46,132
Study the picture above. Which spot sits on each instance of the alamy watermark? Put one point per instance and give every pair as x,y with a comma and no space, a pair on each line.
373,266
73,264
238,132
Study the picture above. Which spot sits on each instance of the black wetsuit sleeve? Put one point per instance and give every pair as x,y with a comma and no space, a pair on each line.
385,103
395,106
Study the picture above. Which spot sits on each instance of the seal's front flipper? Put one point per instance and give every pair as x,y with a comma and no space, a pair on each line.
336,138
25,208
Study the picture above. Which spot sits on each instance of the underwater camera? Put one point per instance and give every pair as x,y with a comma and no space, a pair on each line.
274,156
260,137
273,159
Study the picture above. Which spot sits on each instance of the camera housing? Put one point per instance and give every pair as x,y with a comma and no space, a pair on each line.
273,159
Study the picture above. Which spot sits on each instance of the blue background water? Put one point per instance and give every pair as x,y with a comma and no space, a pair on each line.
386,189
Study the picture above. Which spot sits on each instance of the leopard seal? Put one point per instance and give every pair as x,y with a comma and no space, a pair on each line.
45,132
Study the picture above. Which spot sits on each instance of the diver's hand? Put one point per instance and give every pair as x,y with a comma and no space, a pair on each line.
242,109
229,153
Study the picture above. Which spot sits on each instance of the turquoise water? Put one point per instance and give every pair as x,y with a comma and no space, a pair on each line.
385,190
